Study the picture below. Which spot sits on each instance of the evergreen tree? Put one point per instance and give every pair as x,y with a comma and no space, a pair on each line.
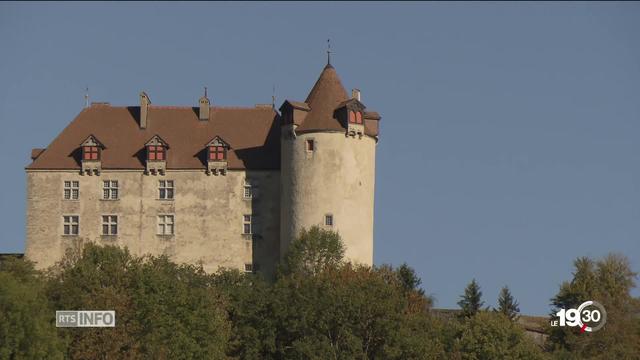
507,305
471,301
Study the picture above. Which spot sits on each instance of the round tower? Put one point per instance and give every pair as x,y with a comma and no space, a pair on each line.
328,148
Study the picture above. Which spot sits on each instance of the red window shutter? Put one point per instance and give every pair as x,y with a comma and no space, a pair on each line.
94,149
152,148
160,155
220,156
94,156
152,155
87,155
352,117
359,117
220,149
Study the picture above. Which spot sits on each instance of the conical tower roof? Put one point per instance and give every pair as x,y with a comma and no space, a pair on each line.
323,99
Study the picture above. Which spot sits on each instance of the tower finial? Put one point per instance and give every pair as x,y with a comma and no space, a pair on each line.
328,51
273,97
86,97
205,91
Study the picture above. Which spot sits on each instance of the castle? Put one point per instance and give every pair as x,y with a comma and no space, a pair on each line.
219,186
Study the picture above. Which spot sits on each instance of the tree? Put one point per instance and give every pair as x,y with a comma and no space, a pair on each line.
163,310
507,305
490,335
27,328
608,281
350,312
471,301
313,251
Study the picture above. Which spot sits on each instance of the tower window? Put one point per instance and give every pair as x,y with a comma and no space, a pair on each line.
71,225
71,190
247,227
355,117
328,220
217,153
310,145
156,152
90,153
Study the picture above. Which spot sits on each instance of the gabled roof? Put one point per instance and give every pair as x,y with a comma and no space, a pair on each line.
156,140
253,133
217,141
92,141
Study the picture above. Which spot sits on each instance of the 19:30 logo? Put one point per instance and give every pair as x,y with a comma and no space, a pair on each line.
590,316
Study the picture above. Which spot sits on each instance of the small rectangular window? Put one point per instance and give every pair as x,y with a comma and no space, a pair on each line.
71,190
247,227
110,190
109,225
166,225
166,189
71,225
250,189
248,268
328,220
310,145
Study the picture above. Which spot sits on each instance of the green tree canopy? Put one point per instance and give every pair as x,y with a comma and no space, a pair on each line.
608,281
490,335
507,305
471,301
27,321
313,251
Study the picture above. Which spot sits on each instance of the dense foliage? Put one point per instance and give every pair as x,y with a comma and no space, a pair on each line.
318,307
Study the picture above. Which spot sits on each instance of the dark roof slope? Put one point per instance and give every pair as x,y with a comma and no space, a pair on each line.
252,133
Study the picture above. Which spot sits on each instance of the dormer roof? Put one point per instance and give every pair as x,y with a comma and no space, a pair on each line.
92,141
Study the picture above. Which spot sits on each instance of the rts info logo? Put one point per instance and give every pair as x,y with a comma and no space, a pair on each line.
590,316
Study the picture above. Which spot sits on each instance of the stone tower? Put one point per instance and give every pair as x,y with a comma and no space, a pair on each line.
328,146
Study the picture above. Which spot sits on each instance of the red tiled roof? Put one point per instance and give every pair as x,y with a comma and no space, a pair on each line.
252,133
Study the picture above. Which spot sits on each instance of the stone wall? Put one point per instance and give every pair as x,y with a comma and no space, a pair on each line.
208,216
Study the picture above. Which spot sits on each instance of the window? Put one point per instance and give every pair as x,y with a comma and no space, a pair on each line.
166,224
109,225
71,224
110,190
248,268
71,190
165,188
217,153
250,190
246,225
310,145
355,117
155,152
328,220
90,153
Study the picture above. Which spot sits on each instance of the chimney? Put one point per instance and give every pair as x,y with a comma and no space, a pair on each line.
204,106
144,109
355,94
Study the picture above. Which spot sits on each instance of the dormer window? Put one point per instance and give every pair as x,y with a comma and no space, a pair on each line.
355,117
217,153
156,155
91,156
155,152
217,150
90,153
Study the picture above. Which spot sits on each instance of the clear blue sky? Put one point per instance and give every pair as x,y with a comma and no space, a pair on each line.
510,131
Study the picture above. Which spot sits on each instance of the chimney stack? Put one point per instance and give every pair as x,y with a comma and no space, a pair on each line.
355,93
204,106
144,109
